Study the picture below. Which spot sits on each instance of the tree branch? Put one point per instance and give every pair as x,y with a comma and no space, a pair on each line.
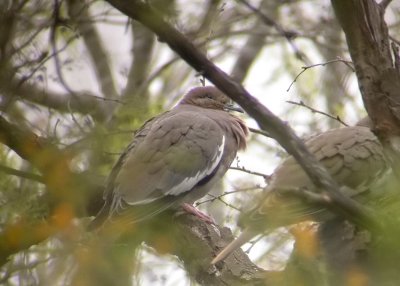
305,68
46,157
265,118
313,110
249,51
368,40
68,192
81,102
79,11
21,174
202,242
288,35
142,51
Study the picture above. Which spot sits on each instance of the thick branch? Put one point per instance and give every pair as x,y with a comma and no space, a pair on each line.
265,118
201,243
368,40
79,11
81,102
22,235
249,51
136,90
46,157
142,51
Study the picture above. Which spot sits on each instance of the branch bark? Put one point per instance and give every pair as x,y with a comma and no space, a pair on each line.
202,242
144,14
379,80
81,102
52,162
346,249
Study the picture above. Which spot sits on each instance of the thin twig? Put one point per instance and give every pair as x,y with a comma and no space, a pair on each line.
243,169
313,110
21,174
46,59
242,190
253,242
53,41
261,132
289,35
304,68
143,13
39,29
219,198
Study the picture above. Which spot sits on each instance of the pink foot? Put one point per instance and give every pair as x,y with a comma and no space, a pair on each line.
192,210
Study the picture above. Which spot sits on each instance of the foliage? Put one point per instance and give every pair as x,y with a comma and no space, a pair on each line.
78,77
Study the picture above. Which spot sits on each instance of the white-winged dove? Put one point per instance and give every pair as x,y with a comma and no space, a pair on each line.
352,155
174,158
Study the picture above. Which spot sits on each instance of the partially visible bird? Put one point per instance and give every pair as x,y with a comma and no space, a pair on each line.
174,158
352,155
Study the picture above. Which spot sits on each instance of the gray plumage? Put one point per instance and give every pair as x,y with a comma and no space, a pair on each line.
174,158
352,155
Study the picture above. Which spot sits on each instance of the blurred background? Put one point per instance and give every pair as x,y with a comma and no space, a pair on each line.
84,77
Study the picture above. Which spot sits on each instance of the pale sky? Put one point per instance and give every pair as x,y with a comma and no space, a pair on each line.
272,93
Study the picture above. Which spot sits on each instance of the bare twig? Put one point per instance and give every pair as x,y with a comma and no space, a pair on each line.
347,63
269,21
313,110
21,174
50,56
39,29
241,190
243,169
144,14
261,132
289,35
218,198
53,41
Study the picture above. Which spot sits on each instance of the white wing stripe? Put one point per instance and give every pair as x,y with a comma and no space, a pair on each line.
190,182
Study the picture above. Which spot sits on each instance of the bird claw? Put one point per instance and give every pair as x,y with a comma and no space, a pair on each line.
192,210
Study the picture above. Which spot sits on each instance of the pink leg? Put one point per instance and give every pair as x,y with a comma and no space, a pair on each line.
192,210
